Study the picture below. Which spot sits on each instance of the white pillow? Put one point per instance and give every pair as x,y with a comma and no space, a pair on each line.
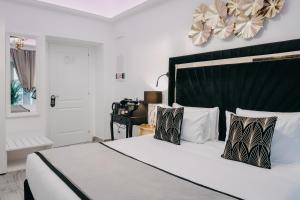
213,119
286,139
228,117
152,112
194,126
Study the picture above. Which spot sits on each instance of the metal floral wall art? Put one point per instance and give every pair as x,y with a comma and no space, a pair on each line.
242,18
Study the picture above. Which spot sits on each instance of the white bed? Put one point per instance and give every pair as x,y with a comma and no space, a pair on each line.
200,163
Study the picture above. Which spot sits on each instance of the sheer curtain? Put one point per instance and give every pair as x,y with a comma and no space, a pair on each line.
24,61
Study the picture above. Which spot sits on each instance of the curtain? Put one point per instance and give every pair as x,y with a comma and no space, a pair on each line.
24,61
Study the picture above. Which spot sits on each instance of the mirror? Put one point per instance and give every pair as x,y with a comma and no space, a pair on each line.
22,76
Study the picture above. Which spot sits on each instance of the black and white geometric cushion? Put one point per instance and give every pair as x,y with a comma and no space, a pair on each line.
250,140
168,124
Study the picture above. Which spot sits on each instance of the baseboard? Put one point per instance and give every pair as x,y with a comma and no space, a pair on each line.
97,139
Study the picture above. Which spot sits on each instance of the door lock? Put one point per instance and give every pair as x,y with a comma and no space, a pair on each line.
52,102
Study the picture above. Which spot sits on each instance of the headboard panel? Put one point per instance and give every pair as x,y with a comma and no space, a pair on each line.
267,85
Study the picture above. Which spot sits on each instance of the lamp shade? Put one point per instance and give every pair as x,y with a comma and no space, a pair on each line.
153,97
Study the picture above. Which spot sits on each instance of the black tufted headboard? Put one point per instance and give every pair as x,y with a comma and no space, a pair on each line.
260,84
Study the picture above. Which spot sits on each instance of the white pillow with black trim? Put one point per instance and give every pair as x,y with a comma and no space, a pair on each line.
202,123
286,140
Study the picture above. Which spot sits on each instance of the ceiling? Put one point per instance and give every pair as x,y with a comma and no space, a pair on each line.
104,8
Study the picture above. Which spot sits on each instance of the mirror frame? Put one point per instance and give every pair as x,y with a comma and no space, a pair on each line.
9,114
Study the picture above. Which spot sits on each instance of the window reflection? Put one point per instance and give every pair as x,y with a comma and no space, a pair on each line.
23,74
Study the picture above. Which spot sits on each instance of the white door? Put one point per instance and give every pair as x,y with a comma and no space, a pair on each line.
69,83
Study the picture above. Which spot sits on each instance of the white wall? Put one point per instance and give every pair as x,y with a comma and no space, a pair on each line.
25,19
3,159
148,39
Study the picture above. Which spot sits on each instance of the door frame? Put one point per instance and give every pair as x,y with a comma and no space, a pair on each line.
3,153
91,78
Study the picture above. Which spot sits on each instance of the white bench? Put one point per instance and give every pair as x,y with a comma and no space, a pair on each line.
18,148
15,144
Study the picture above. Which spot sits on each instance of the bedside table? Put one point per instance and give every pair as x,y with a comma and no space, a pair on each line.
145,129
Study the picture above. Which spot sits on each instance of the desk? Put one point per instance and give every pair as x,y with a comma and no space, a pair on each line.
126,120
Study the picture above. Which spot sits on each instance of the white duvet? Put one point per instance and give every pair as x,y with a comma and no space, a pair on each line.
201,163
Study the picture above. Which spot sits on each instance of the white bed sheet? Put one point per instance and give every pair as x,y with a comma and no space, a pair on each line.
44,183
200,163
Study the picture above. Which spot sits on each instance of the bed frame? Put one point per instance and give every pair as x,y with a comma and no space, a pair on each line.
264,77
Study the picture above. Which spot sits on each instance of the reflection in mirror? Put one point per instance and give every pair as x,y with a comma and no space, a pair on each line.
23,94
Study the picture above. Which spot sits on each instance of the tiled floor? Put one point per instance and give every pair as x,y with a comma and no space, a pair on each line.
11,186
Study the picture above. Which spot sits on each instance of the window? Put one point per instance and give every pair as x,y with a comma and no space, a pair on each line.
21,97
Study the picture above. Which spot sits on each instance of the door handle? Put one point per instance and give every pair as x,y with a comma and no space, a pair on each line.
53,101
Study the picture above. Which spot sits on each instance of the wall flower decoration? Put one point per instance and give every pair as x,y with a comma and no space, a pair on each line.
215,13
200,13
252,7
273,7
235,7
224,29
244,18
247,27
200,33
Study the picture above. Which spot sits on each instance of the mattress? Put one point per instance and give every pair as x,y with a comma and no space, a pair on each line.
199,163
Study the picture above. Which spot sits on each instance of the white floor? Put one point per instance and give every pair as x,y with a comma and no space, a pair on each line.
11,186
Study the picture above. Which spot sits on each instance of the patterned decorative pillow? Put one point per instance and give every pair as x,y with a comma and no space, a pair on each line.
250,140
168,124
